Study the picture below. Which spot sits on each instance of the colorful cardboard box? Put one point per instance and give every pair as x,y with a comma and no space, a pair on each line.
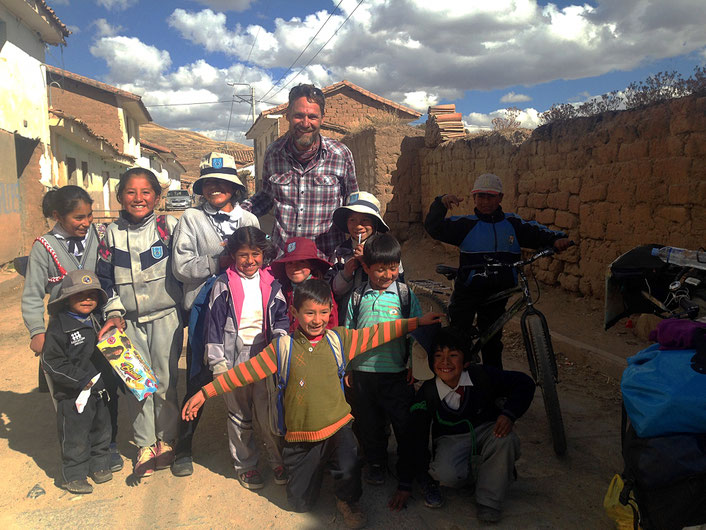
128,364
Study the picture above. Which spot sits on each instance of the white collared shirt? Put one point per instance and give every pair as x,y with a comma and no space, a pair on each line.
225,227
448,394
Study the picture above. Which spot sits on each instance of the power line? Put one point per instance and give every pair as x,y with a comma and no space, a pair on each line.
187,104
318,52
274,85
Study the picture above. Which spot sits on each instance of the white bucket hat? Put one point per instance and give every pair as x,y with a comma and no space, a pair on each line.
217,166
361,202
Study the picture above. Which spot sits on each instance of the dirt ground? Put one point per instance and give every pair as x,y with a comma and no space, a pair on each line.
551,492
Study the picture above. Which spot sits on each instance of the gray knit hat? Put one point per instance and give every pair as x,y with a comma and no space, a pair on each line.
77,281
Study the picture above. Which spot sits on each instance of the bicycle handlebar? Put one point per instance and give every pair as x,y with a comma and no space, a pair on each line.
451,272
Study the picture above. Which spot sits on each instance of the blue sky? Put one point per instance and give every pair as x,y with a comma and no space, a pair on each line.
482,56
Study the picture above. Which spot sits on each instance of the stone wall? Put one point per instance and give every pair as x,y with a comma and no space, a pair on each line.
611,181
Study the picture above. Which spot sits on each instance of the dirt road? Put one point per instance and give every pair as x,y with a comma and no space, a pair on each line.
550,492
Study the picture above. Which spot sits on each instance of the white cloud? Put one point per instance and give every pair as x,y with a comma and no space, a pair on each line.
116,5
227,5
476,121
511,97
411,51
128,58
73,29
105,28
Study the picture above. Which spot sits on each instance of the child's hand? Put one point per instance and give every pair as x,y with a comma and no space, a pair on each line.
563,244
37,343
114,322
350,267
192,406
430,318
399,500
451,201
503,426
410,376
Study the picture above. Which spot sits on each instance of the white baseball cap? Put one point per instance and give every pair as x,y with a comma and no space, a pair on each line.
488,183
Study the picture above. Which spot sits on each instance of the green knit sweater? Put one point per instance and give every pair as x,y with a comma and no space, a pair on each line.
314,406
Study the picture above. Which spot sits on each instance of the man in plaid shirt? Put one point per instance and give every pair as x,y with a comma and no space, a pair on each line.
305,177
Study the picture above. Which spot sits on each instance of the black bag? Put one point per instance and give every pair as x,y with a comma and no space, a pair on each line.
667,475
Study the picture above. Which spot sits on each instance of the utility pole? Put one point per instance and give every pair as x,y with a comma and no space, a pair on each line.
244,100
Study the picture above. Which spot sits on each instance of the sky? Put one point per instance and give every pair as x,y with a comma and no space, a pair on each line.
195,62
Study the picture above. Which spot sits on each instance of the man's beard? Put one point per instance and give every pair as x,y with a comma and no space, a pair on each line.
304,143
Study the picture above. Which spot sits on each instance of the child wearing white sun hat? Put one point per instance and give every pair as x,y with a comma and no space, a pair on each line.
198,256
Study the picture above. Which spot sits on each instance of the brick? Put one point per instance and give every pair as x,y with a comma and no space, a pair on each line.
558,200
572,185
593,192
574,204
545,185
634,150
545,216
696,145
566,220
537,200
675,214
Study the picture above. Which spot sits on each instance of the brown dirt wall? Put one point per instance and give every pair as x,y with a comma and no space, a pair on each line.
611,181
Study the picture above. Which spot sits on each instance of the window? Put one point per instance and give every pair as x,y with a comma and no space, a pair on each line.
71,176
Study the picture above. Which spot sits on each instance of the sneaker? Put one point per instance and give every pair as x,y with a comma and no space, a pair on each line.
251,480
144,464
104,475
375,475
183,466
281,476
163,455
80,486
486,514
353,517
432,495
116,461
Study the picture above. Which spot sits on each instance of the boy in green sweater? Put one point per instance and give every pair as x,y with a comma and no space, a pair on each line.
316,415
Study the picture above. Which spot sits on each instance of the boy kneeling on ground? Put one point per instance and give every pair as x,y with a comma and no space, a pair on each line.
472,410
316,415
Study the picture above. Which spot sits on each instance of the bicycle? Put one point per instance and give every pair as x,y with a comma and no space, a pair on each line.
533,324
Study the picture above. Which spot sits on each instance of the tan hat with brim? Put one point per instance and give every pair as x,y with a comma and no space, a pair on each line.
217,166
77,281
361,202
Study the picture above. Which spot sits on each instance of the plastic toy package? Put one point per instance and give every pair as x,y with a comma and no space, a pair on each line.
128,364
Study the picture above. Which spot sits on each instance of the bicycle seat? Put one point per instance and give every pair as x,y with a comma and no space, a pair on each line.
448,272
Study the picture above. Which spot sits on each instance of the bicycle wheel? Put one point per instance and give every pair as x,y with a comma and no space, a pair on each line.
541,351
430,302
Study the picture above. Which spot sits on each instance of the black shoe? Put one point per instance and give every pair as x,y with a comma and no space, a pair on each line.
486,514
104,475
183,466
116,461
375,475
251,480
432,495
80,486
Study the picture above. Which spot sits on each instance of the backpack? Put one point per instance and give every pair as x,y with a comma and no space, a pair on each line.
666,476
21,262
405,306
278,383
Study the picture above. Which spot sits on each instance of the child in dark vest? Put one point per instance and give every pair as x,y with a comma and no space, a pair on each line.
78,372
471,410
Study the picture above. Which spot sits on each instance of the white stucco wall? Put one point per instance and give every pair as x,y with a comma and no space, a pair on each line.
22,87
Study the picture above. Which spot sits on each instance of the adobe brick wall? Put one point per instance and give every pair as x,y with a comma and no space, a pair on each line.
94,107
386,161
612,181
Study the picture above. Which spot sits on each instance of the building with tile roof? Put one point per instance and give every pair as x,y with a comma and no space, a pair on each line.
347,106
27,28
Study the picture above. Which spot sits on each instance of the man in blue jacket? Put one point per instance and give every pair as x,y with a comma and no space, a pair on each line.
492,233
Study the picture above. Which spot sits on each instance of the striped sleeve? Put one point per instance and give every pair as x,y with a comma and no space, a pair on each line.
364,339
255,369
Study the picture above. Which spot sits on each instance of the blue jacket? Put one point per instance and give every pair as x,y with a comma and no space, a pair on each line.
499,235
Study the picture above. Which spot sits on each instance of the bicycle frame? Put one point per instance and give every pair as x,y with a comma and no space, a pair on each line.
525,301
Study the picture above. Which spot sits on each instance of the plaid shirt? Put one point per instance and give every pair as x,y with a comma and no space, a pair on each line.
305,197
